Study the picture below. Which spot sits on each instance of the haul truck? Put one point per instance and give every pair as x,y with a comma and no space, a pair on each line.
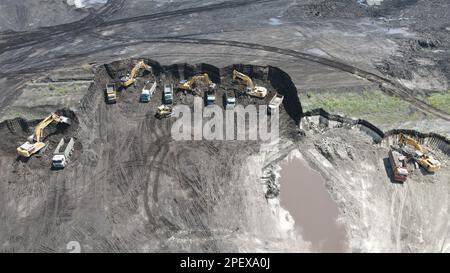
398,163
62,153
111,94
229,99
275,103
168,94
147,93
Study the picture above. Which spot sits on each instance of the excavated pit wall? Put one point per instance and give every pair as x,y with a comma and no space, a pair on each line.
17,130
280,81
431,140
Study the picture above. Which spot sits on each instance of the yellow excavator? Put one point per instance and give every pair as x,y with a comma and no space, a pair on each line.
252,90
34,144
188,85
426,161
131,78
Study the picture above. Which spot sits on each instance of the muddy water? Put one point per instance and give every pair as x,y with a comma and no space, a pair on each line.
304,195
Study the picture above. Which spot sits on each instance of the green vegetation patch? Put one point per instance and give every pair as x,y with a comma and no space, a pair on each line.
86,67
440,101
372,105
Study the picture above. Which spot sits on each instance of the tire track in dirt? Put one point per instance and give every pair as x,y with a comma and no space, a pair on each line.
186,11
97,20
16,40
387,85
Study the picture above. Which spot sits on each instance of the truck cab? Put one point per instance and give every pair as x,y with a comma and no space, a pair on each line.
62,153
168,94
59,161
210,99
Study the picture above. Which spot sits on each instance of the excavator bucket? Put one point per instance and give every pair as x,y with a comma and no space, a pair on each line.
64,120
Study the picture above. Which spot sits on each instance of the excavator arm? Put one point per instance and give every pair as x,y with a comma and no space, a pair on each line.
411,142
35,144
424,160
129,80
252,89
199,78
39,131
248,81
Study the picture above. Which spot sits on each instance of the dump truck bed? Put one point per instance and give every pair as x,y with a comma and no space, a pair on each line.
275,103
398,164
64,148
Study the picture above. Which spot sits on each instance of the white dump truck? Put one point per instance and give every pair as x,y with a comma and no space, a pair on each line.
230,99
147,93
210,98
275,103
168,94
62,153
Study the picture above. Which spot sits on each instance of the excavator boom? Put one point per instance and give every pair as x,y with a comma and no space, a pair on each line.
242,76
411,142
199,78
253,90
35,144
131,79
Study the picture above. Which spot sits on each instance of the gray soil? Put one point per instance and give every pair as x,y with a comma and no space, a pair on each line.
130,188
